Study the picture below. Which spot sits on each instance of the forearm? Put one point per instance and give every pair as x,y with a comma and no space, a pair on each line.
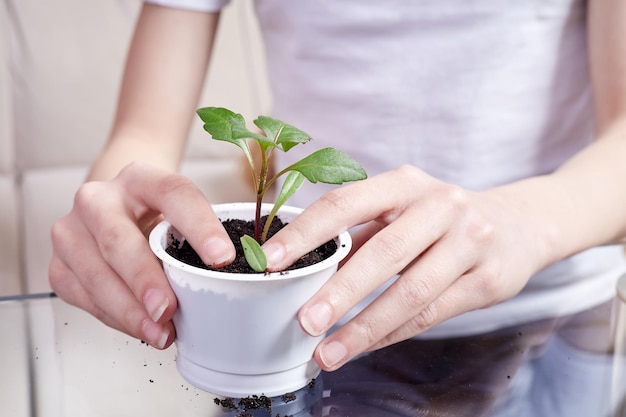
163,79
124,150
583,203
596,182
596,177
579,206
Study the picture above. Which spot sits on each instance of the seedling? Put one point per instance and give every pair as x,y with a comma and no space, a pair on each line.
326,165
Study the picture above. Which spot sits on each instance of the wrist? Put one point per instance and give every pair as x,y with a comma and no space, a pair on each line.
540,218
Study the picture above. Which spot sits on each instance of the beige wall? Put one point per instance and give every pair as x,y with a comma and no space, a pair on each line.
9,218
61,65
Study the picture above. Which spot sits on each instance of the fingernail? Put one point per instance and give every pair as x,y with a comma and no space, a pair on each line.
156,304
155,334
333,354
218,251
274,253
316,319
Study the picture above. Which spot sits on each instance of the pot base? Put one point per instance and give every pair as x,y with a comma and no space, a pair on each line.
241,386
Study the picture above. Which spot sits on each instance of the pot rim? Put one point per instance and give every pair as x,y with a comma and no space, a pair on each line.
343,240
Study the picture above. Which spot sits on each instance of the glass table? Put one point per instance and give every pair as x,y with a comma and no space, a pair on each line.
57,360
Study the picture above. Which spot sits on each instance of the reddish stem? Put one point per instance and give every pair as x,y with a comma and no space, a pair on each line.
257,219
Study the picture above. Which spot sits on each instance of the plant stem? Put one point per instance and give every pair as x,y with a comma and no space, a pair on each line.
262,187
257,219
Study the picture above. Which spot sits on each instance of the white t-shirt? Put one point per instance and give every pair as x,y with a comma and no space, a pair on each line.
474,92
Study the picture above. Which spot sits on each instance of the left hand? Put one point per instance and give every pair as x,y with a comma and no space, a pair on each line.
455,251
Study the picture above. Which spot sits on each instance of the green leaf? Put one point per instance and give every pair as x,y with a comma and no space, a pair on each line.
281,133
228,126
292,183
329,166
253,253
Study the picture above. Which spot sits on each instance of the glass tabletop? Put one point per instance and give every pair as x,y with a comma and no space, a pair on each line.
57,360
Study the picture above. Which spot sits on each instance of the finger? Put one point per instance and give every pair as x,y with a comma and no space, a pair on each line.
184,205
92,284
472,291
385,254
360,236
68,288
123,248
339,348
341,209
411,297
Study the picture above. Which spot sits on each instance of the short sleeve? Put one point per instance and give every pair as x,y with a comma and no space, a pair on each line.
195,5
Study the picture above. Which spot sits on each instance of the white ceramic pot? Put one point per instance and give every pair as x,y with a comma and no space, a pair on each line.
237,334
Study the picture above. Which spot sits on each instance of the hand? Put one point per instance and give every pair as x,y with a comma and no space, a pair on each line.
455,251
102,262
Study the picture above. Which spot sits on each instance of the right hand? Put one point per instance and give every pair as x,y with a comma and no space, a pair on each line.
101,259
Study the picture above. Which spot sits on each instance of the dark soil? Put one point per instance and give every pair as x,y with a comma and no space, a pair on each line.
244,406
237,228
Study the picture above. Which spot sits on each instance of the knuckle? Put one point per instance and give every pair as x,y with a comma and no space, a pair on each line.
427,318
455,197
174,184
473,225
490,284
90,281
414,294
86,195
58,232
336,201
131,318
111,239
58,275
450,201
392,248
409,171
480,231
367,332
137,277
344,289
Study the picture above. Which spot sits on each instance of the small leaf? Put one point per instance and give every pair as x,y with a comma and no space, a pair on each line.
329,166
281,133
253,253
